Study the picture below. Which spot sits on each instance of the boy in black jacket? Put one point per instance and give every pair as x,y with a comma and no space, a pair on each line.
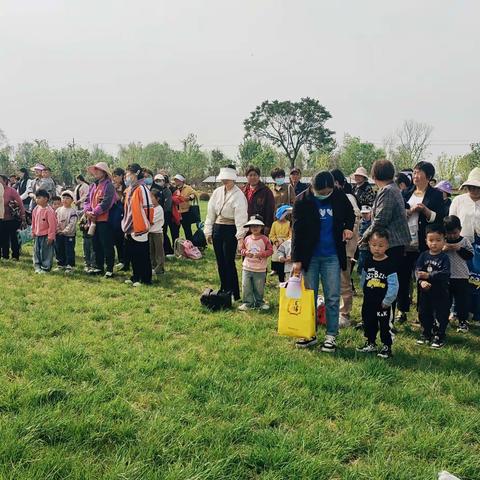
433,275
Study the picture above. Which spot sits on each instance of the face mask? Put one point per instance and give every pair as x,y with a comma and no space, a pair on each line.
148,181
279,181
128,181
322,197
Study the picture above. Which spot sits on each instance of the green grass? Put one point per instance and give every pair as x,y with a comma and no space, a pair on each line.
98,380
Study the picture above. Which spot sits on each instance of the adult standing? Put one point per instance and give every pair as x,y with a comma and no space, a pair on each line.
13,217
227,213
100,200
80,193
283,193
24,187
323,220
137,219
467,206
362,190
187,195
424,205
259,198
116,215
160,184
296,181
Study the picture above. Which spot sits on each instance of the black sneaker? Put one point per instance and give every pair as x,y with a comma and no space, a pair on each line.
437,343
306,342
330,344
401,317
462,327
423,340
385,352
367,348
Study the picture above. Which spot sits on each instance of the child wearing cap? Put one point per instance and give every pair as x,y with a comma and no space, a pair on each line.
44,228
66,231
279,233
256,249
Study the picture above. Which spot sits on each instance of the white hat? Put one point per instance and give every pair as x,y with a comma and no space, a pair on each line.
365,209
361,171
227,174
159,176
67,192
100,166
254,221
179,177
473,179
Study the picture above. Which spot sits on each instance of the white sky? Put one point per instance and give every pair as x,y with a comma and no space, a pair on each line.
110,72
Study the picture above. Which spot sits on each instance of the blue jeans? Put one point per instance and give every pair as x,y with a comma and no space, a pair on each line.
253,286
326,269
42,253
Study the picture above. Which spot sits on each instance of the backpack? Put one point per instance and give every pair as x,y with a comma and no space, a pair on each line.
199,239
191,251
216,300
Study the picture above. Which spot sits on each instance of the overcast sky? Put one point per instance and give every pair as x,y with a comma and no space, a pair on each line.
110,72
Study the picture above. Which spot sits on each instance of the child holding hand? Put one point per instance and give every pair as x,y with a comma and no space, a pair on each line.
256,249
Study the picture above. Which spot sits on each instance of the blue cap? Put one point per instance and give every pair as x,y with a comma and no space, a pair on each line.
282,211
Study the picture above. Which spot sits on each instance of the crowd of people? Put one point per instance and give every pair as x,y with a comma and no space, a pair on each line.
405,235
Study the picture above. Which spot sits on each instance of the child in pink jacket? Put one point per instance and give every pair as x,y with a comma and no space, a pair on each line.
257,248
44,228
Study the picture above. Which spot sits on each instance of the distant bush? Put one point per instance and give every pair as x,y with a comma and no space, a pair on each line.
204,196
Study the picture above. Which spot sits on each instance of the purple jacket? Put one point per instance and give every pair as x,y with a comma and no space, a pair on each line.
100,199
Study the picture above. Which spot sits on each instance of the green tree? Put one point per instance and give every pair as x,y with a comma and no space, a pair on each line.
132,153
191,162
247,151
354,153
216,161
291,126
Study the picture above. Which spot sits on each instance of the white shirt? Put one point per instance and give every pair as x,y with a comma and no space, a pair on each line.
230,205
468,212
158,220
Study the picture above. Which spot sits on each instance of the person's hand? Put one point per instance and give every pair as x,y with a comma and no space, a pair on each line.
384,306
282,259
90,215
452,247
347,235
240,244
209,239
425,285
423,275
296,269
50,241
423,209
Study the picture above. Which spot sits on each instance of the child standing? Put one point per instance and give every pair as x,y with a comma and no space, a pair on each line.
285,257
380,287
66,231
459,251
257,248
280,232
44,228
433,274
155,235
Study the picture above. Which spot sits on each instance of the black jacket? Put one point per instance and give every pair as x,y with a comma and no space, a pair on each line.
433,200
306,226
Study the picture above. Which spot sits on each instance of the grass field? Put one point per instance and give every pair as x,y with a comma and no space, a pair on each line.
102,381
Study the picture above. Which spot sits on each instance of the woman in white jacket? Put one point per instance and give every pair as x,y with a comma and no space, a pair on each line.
224,227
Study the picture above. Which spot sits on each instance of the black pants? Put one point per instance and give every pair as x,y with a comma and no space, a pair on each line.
460,294
167,245
119,244
434,305
187,225
376,318
279,267
65,251
103,246
225,247
405,271
139,254
8,238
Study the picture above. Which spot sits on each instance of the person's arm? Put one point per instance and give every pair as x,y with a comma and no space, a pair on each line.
34,221
273,233
107,201
160,216
383,212
466,251
28,190
349,223
418,266
52,225
87,207
211,215
392,289
291,194
269,211
71,226
442,274
268,248
168,199
240,214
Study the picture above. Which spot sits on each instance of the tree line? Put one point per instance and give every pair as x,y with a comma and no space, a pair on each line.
277,134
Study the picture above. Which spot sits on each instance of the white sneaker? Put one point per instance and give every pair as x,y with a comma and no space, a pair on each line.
265,307
108,274
119,266
330,344
244,307
137,284
68,269
128,282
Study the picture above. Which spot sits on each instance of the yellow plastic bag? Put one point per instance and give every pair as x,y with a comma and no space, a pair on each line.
296,316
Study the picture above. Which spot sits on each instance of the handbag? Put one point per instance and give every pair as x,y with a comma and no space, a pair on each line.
297,316
199,239
216,300
194,211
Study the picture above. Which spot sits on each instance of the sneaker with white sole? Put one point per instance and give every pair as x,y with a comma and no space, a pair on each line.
367,348
244,307
462,327
94,271
437,343
137,284
423,340
265,307
108,274
329,344
119,266
128,282
385,352
306,342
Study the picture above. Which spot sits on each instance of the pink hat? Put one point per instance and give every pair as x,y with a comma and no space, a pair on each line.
38,166
100,166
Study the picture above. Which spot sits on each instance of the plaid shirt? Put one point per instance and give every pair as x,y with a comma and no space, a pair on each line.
389,212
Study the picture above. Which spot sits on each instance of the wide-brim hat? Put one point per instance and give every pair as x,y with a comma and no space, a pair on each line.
473,179
254,221
227,174
445,186
179,177
68,193
100,166
38,166
360,171
159,176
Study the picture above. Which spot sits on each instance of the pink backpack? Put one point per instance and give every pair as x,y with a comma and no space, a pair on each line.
191,251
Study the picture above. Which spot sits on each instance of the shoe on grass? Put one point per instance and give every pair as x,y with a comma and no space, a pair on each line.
385,352
108,274
437,343
265,307
462,327
423,340
119,266
329,344
244,307
60,268
306,342
401,317
367,348
95,271
128,282
136,284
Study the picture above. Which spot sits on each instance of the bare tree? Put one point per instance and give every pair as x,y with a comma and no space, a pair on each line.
413,139
3,138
